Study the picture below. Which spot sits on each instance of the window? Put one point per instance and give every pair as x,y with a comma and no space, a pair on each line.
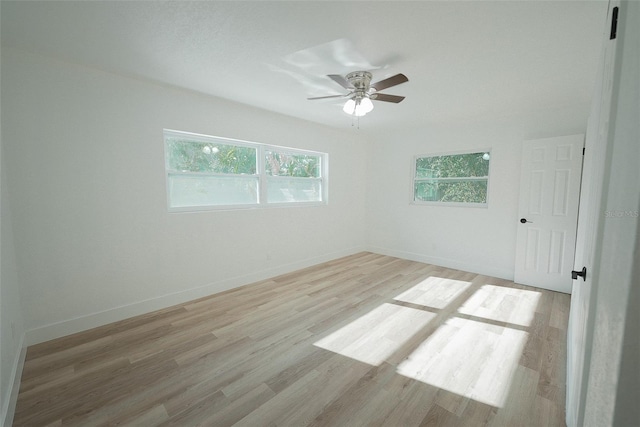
205,172
452,179
292,177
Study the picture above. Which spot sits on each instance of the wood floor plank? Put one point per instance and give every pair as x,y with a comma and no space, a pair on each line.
357,399
415,403
236,410
439,417
365,339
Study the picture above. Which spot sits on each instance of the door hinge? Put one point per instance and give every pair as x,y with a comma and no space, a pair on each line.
614,24
583,148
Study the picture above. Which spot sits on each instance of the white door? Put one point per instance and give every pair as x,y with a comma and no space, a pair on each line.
548,213
580,314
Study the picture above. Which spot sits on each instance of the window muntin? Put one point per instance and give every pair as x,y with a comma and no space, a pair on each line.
452,179
205,172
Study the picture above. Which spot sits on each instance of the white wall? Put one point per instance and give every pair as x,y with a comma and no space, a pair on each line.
94,241
480,240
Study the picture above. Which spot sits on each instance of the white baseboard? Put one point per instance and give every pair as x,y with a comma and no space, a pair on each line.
486,270
9,408
71,326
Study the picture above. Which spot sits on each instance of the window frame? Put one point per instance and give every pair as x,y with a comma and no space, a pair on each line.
414,179
261,173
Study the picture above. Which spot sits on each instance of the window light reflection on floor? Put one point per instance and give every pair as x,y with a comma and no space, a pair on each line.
502,304
435,292
374,337
467,356
470,358
473,358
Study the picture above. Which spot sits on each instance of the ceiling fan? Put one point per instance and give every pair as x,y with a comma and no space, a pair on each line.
362,91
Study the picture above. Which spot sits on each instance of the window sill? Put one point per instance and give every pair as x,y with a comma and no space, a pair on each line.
451,204
196,209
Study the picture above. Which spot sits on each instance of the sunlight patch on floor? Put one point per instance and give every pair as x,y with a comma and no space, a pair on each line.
515,306
435,292
378,334
473,359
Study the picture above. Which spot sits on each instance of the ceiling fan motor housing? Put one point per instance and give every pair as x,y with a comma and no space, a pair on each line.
360,80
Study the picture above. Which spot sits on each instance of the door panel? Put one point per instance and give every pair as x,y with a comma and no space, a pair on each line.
549,192
556,251
581,317
561,192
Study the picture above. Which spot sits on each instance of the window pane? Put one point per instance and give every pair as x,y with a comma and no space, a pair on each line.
293,190
298,165
190,190
459,165
455,192
219,172
195,156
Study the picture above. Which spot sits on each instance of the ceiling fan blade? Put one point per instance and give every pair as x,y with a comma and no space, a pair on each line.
387,98
327,97
340,80
391,81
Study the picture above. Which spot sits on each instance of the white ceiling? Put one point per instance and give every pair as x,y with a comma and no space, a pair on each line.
464,60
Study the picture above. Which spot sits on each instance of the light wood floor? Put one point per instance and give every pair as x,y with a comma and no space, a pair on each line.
362,340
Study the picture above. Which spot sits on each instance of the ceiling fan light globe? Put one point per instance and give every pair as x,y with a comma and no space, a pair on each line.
349,107
366,105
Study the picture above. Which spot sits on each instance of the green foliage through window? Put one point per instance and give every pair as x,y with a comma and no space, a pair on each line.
283,164
459,178
193,156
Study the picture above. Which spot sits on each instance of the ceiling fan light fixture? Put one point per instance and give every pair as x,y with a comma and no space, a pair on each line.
358,107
